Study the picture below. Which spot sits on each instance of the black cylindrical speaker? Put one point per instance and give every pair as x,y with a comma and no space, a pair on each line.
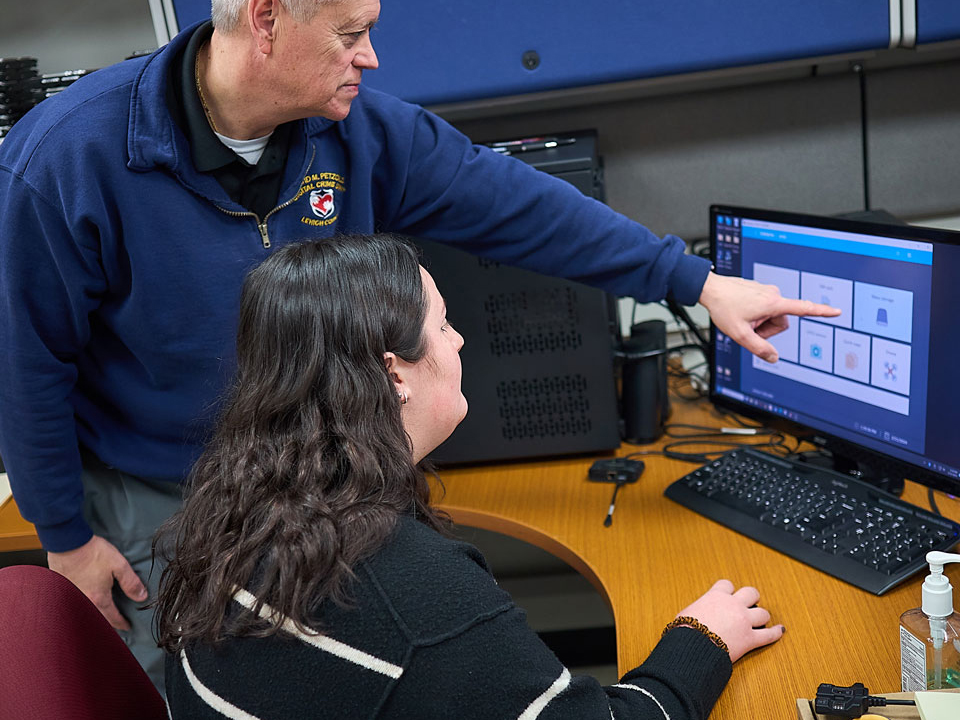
644,382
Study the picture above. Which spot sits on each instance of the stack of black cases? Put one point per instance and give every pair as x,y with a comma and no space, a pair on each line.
22,87
52,83
20,90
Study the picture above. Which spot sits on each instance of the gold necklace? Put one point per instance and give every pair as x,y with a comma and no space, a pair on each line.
203,101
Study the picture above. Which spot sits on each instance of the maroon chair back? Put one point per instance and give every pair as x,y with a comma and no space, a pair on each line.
59,657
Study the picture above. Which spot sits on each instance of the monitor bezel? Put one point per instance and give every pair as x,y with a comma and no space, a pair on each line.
889,464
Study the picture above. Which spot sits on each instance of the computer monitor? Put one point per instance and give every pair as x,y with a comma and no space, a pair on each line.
878,385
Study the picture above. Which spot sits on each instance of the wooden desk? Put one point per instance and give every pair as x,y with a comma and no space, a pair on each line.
658,556
15,532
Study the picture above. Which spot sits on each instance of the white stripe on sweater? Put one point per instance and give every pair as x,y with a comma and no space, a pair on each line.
537,706
666,715
321,642
210,697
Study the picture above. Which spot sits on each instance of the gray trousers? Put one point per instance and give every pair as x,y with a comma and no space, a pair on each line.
127,510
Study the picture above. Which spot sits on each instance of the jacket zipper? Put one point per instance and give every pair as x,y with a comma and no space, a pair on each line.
262,224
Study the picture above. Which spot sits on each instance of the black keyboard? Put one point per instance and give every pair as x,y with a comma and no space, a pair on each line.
830,521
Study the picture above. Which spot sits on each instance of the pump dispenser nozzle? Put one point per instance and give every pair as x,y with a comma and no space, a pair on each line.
937,592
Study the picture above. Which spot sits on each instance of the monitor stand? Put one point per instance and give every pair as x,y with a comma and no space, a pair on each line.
842,458
868,473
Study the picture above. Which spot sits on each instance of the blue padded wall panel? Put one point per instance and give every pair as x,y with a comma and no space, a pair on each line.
938,20
190,11
436,51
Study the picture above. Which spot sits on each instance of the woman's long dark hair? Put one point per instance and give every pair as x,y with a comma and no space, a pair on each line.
309,465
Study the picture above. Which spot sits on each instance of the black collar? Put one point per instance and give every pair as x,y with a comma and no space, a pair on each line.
256,187
205,147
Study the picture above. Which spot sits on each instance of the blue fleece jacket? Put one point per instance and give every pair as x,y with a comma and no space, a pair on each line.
121,265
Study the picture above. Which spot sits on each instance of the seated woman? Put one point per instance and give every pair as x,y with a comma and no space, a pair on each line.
310,577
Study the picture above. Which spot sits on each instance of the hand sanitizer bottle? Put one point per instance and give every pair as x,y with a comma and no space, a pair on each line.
930,634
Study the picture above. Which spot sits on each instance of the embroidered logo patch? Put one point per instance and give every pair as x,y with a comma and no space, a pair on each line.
323,192
321,202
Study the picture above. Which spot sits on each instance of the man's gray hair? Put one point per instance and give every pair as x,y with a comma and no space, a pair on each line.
227,15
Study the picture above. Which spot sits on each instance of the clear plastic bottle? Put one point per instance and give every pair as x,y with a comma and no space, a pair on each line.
930,634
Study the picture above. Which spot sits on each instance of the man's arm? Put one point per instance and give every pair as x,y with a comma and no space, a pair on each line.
49,283
48,288
430,181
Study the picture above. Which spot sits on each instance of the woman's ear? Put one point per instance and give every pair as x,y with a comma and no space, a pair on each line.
396,369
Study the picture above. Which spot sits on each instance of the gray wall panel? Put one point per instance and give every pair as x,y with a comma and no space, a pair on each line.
915,139
65,35
792,145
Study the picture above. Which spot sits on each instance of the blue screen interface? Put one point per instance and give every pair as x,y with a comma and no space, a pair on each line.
882,373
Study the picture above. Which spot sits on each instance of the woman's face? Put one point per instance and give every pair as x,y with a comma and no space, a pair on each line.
435,405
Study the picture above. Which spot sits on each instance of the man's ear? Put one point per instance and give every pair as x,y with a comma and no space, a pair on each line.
262,16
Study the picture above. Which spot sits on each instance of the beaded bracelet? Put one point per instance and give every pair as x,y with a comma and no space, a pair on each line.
694,624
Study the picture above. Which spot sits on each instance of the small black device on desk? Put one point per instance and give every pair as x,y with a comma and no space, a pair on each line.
876,387
620,472
850,701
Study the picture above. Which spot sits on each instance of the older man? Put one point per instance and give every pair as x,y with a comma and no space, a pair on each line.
133,204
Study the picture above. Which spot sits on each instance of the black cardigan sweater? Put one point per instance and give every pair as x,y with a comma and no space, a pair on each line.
430,635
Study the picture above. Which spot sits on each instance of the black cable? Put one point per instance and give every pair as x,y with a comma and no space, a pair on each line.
864,138
627,355
681,314
802,456
700,247
683,386
782,445
738,419
608,520
679,391
670,451
682,372
642,453
933,502
775,441
699,365
684,326
705,431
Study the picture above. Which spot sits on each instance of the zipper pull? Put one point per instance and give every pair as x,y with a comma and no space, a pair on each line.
262,226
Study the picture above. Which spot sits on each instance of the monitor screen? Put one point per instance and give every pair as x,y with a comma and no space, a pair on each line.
879,382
